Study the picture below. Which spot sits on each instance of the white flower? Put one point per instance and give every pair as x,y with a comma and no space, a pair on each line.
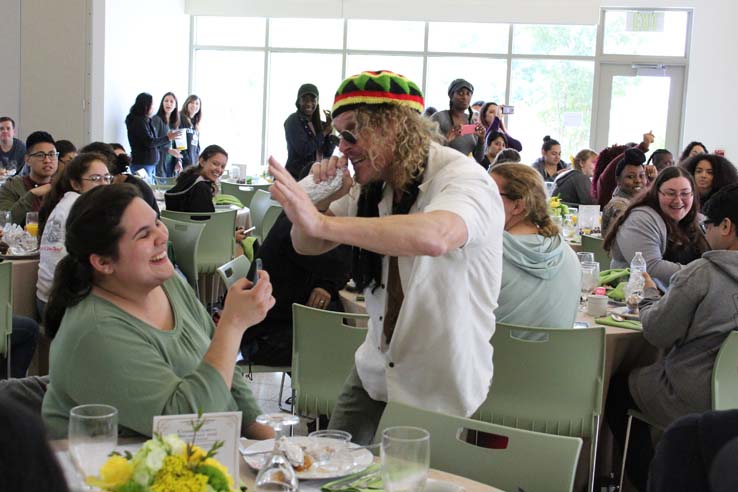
176,445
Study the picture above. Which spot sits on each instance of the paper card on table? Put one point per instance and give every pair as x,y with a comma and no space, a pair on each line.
220,426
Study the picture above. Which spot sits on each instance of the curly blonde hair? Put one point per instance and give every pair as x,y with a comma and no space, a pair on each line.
525,183
405,130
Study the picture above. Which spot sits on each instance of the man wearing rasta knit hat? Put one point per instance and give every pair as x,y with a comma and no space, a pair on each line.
419,217
451,121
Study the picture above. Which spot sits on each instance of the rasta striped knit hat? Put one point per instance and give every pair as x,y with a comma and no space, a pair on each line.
380,87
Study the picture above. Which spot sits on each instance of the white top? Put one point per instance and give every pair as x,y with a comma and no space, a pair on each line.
52,248
440,356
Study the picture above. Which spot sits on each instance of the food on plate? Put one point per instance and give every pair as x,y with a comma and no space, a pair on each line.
296,455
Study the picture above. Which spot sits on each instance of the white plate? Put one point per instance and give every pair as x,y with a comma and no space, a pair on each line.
625,313
433,485
362,458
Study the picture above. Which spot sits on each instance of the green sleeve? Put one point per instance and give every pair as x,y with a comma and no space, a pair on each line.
121,368
244,397
240,391
14,197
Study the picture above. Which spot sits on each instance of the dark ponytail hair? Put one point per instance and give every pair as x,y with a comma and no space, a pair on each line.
549,142
72,172
117,164
93,227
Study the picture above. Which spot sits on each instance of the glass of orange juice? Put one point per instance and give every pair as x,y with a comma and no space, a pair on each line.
32,223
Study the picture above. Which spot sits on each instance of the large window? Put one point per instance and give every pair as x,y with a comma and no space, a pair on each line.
248,70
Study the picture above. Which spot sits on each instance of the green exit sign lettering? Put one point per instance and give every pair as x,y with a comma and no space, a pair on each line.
644,21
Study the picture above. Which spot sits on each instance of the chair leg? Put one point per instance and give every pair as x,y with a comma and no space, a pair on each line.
593,453
7,344
625,450
281,392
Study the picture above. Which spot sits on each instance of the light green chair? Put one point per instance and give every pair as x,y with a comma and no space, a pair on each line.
270,218
323,347
243,192
724,391
185,237
529,461
552,384
216,242
593,244
725,375
264,212
6,309
165,180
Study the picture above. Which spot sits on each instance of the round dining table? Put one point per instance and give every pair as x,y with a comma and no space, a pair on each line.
248,474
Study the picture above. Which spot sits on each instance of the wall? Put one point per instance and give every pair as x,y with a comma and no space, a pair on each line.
132,52
143,53
10,60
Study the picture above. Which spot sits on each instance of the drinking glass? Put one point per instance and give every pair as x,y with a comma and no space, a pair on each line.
405,455
334,454
5,218
32,223
569,229
93,435
590,280
585,257
235,173
277,474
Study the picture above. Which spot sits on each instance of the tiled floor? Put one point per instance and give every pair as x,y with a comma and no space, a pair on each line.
265,387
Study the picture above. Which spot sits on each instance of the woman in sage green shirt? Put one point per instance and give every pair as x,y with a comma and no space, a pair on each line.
130,333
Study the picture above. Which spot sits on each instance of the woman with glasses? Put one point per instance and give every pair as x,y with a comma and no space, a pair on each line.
306,134
711,173
661,223
84,172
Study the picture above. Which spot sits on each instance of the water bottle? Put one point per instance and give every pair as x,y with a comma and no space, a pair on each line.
636,282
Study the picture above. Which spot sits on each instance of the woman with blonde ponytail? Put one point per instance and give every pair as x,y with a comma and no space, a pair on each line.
540,272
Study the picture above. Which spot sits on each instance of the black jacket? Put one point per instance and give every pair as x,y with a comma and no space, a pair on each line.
191,193
302,143
143,140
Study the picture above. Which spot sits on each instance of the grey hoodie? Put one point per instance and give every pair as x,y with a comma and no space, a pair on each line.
541,281
573,187
690,323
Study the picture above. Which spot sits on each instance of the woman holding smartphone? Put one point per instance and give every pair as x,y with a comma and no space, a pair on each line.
457,123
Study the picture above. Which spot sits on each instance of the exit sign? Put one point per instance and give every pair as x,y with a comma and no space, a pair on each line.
644,21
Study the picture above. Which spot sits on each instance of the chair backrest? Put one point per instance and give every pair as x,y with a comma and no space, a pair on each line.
593,244
243,192
725,375
269,219
528,461
552,384
233,270
6,306
185,237
323,347
165,180
259,206
216,241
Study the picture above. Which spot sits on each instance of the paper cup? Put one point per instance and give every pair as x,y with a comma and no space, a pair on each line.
597,305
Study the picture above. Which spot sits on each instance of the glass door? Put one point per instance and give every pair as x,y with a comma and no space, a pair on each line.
635,99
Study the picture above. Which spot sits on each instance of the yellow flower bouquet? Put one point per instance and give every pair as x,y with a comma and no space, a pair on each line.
164,464
556,208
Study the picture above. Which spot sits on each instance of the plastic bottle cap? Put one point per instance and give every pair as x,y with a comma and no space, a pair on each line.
600,291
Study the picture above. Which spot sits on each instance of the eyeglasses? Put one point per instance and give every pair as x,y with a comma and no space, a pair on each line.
705,223
671,194
43,155
96,178
348,136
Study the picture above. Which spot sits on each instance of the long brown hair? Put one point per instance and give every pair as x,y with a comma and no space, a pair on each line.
525,183
686,231
184,116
